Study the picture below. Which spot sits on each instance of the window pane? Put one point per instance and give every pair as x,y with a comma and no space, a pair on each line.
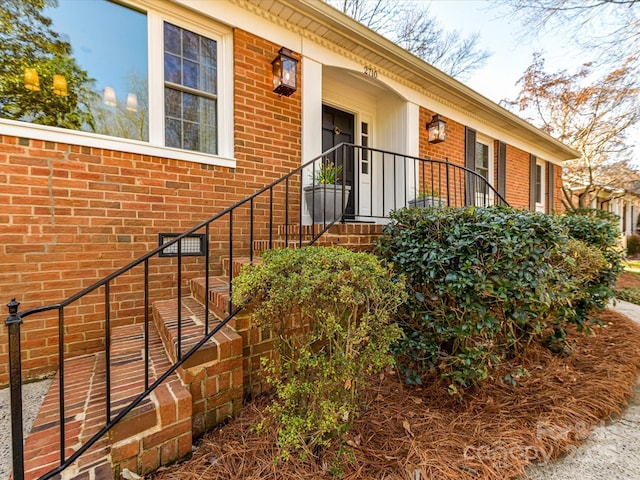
209,52
190,45
77,65
197,109
173,133
191,136
482,156
173,103
191,107
190,78
539,183
172,71
172,39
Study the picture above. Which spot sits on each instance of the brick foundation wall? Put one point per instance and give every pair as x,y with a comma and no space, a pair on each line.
72,215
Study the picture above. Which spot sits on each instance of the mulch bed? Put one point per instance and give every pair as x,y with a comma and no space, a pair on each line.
628,280
493,434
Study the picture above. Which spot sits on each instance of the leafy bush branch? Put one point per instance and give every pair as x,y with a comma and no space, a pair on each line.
331,313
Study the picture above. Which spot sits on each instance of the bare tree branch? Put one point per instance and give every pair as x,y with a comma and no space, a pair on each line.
414,28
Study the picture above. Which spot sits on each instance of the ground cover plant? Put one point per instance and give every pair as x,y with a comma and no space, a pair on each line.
330,312
628,286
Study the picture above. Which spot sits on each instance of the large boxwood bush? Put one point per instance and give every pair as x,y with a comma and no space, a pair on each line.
485,282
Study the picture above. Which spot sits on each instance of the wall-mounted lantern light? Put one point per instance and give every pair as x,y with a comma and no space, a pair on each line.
436,129
285,73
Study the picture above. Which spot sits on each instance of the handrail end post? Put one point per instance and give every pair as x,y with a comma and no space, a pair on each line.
13,322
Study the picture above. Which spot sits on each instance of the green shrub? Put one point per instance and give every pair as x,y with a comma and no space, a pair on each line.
599,229
331,313
633,244
482,285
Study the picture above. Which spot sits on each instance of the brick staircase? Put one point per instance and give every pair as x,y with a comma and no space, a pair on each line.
205,391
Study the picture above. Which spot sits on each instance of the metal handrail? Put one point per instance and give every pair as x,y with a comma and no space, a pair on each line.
458,183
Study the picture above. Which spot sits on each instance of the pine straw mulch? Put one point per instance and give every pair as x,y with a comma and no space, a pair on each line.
493,434
628,280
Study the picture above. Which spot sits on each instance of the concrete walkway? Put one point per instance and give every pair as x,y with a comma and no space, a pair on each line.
612,451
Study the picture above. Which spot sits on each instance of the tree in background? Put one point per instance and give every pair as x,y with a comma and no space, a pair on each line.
29,42
607,29
590,113
410,25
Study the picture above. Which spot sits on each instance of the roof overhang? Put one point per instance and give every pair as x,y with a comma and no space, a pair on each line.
317,18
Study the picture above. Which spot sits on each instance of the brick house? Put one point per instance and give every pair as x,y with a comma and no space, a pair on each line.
181,122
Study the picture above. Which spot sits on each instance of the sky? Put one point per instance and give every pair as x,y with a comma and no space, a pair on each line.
511,55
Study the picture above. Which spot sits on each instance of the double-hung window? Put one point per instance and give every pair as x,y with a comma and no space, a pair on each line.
484,168
126,75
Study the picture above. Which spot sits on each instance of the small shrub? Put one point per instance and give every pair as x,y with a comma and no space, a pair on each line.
331,313
628,294
633,244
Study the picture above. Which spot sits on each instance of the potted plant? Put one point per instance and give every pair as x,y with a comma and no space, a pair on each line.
427,198
325,197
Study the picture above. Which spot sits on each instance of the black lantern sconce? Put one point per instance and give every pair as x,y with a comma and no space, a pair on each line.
285,73
436,129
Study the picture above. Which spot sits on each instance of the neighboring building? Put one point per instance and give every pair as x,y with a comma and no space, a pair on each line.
622,202
182,121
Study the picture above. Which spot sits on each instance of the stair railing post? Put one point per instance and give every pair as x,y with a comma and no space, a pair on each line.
447,180
13,322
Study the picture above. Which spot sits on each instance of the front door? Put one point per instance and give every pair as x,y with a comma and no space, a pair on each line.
338,127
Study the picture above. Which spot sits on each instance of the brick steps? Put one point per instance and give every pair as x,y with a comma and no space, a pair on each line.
213,374
133,443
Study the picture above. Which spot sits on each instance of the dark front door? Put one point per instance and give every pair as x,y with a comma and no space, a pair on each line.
338,127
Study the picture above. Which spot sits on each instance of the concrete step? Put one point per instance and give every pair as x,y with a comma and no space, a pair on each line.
139,441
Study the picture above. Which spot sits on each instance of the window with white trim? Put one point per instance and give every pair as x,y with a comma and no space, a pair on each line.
121,71
484,167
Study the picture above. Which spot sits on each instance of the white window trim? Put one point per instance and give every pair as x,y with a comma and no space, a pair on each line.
480,198
541,206
156,15
490,168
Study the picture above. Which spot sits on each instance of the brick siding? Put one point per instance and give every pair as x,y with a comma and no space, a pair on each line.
72,215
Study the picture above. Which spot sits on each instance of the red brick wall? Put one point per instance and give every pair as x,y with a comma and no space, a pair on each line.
72,215
558,206
517,177
517,173
452,148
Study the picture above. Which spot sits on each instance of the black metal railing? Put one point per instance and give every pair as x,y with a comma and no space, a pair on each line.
294,210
